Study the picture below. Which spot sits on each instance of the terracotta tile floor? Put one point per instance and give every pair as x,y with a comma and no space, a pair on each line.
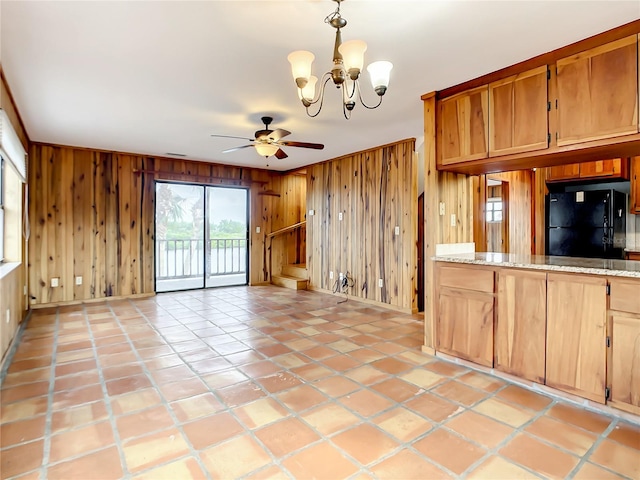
264,382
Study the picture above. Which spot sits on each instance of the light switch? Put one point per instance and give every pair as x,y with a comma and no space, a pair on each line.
441,208
453,219
397,230
78,280
257,229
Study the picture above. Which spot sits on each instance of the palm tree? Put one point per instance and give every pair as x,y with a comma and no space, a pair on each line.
169,208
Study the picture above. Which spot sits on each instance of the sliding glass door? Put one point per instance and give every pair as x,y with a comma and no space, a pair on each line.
201,236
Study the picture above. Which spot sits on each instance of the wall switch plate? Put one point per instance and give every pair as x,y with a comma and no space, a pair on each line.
331,275
397,230
78,280
339,215
55,281
380,283
441,208
453,219
8,316
257,229
312,212
341,276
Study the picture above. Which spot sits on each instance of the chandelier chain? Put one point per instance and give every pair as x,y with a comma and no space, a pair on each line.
335,14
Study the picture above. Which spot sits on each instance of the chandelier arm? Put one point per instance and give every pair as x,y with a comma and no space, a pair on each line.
364,104
320,97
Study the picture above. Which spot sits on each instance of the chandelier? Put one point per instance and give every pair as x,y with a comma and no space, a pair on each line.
348,59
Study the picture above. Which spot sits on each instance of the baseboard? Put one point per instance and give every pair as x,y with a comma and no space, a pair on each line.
39,306
362,300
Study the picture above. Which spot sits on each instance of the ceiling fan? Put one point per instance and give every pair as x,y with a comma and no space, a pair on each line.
268,142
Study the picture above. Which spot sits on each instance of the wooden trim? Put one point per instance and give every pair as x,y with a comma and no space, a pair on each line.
431,218
360,152
226,180
545,58
3,79
286,229
368,301
92,300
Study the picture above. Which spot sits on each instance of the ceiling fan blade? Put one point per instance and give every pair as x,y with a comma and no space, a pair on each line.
237,148
317,146
231,136
280,154
278,133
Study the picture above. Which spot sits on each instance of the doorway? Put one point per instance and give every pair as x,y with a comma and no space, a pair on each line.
497,216
201,236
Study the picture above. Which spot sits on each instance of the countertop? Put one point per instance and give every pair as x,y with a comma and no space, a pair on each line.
593,266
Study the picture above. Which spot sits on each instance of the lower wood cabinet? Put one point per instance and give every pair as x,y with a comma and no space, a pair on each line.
576,334
465,313
521,324
623,373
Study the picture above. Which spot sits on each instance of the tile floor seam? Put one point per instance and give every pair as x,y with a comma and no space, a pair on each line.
105,393
599,440
48,436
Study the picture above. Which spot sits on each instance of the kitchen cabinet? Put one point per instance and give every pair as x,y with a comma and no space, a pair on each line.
614,168
518,118
597,93
635,256
624,352
634,194
576,334
463,133
465,312
521,324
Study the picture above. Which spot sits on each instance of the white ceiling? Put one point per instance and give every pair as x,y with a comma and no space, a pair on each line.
161,76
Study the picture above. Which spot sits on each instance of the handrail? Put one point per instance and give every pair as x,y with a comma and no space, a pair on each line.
287,229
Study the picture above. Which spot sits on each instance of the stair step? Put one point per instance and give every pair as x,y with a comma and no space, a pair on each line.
298,270
289,282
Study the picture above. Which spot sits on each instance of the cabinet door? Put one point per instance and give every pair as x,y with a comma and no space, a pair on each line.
624,367
615,168
634,194
598,93
463,132
521,324
563,172
465,325
518,115
576,334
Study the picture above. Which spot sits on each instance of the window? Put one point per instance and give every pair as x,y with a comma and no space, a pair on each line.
1,209
494,210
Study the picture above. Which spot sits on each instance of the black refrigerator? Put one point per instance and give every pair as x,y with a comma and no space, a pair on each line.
588,224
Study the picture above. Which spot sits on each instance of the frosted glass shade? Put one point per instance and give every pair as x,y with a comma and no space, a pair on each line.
309,91
301,61
379,73
266,149
353,54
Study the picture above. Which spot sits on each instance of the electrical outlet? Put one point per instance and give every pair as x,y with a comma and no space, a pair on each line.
55,281
397,230
257,229
453,219
78,280
441,208
312,212
340,216
8,316
341,276
331,275
380,283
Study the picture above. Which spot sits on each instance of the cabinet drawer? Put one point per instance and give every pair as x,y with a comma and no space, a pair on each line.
477,279
625,296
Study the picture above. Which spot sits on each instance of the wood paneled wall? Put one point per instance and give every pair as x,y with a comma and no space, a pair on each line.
92,215
374,191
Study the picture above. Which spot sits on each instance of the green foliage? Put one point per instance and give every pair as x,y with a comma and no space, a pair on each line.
222,229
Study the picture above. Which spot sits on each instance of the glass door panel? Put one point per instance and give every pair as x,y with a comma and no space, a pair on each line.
227,229
180,252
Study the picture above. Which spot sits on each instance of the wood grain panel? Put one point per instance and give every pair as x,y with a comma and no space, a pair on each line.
92,216
375,190
576,331
625,295
521,324
518,120
624,379
598,92
478,279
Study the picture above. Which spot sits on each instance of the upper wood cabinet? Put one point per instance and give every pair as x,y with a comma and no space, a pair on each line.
576,334
613,168
634,195
518,113
598,93
463,133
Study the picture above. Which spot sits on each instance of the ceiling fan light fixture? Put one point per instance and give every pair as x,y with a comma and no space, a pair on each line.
380,73
266,149
348,60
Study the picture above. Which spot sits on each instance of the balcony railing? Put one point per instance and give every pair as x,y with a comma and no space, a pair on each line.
186,258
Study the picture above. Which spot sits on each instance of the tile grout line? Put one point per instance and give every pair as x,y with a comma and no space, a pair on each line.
52,380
